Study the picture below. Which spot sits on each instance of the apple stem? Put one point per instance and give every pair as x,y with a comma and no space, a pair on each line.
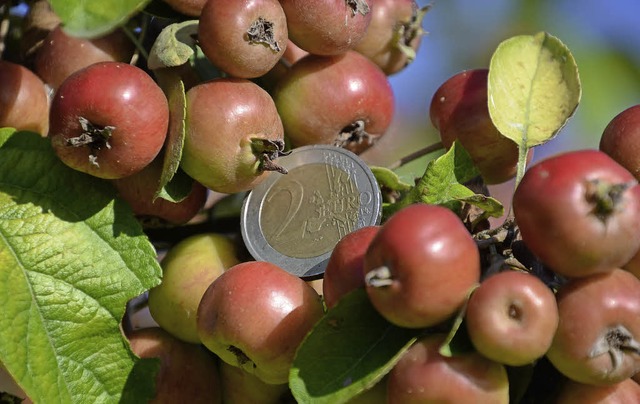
261,32
416,155
358,6
615,342
267,150
93,136
379,277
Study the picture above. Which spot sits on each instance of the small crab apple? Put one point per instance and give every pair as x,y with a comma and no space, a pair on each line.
571,392
394,34
597,340
326,27
512,318
108,120
423,375
241,387
343,272
579,212
139,191
459,111
243,38
24,104
191,8
344,100
188,372
78,53
255,315
233,135
188,269
421,266
621,139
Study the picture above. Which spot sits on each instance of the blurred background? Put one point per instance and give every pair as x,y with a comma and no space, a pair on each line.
603,36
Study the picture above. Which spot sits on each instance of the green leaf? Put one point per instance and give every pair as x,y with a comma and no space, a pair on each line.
533,88
5,134
348,351
174,46
90,19
390,180
442,184
173,187
71,257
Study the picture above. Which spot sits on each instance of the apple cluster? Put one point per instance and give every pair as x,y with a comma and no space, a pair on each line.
553,291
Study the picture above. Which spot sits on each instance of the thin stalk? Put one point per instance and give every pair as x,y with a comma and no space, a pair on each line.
416,155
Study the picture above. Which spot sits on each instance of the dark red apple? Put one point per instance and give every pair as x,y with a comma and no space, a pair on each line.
24,104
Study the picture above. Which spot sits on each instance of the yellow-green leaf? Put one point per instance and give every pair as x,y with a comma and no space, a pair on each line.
534,88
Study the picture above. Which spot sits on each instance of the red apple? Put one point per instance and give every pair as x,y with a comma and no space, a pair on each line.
512,318
344,269
242,387
424,376
621,139
571,392
255,316
24,104
188,373
345,100
421,266
459,111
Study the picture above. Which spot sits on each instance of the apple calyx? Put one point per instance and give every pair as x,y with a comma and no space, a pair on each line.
242,357
615,342
266,151
358,6
93,136
261,32
379,277
407,32
354,133
605,196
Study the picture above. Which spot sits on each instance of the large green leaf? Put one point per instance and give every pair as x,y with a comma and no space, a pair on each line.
347,352
71,257
533,87
93,18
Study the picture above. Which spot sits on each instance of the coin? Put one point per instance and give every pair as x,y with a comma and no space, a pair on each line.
294,220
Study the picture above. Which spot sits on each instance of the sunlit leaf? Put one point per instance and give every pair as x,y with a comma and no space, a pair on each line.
71,257
534,88
348,351
90,19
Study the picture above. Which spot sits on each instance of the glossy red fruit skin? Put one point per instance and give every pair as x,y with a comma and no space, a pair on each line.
324,27
222,35
344,273
322,95
187,371
433,261
139,190
110,94
223,115
24,104
588,307
621,139
555,211
512,318
627,391
380,41
261,310
424,376
192,8
78,53
459,111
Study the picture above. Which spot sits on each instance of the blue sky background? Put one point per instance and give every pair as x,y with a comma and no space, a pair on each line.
604,37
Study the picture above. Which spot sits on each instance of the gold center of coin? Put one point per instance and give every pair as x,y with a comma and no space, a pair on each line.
307,211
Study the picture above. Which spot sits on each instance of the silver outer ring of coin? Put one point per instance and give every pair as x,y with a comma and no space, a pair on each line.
252,234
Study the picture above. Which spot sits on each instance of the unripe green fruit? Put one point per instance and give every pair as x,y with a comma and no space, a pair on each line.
188,269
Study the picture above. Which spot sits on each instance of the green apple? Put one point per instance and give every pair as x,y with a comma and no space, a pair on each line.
187,270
